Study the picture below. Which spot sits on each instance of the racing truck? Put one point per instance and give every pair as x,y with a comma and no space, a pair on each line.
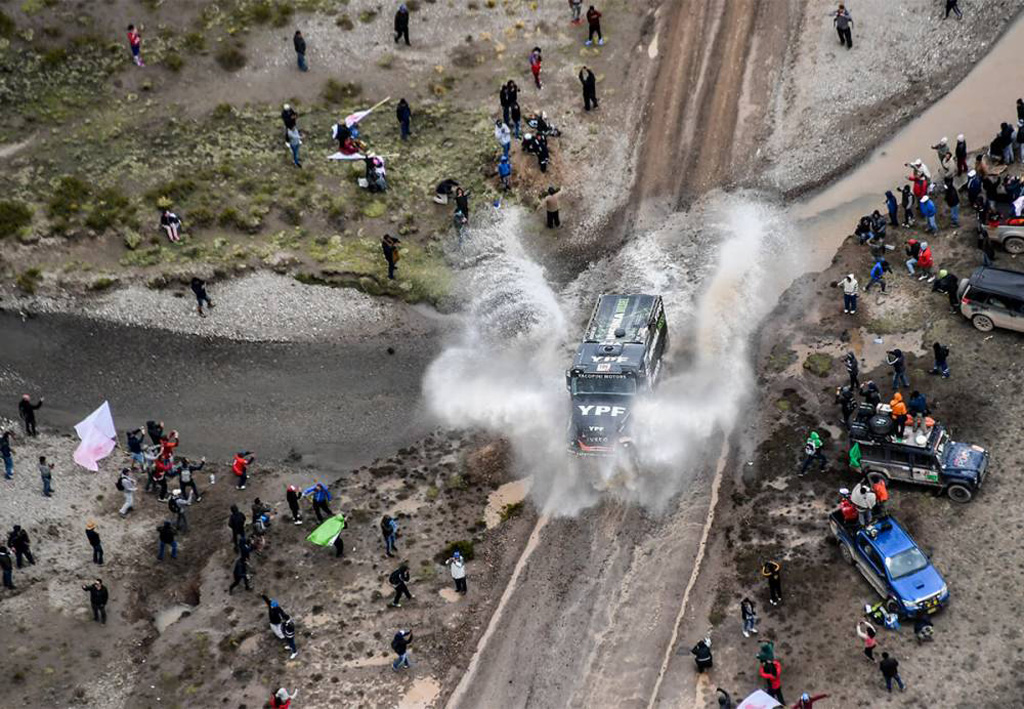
619,359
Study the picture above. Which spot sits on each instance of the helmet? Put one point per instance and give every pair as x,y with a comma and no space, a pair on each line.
527,136
287,107
943,273
805,697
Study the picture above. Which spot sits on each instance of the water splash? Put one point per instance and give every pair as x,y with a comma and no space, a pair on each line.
719,267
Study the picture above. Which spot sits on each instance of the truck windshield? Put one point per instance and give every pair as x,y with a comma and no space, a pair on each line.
906,562
623,385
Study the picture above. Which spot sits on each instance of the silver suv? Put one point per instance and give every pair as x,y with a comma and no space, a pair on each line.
993,297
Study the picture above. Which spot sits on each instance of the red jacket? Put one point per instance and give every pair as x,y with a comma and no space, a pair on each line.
774,680
134,38
276,703
809,704
240,465
167,447
924,260
161,466
920,186
847,509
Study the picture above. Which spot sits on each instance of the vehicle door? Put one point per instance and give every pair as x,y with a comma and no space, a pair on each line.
898,463
925,467
1000,309
871,565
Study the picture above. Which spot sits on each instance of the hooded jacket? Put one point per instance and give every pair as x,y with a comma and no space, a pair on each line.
890,201
877,271
850,285
774,677
927,208
862,497
925,259
898,407
918,405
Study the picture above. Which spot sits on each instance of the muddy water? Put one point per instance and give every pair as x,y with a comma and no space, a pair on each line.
976,107
422,694
171,615
508,494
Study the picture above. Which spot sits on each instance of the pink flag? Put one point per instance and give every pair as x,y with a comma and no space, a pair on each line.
98,435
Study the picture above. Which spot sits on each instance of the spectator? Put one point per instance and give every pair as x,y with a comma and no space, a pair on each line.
18,541
917,408
853,369
7,453
128,486
516,115
843,23
889,667
807,701
928,211
294,140
177,504
27,412
942,151
321,496
550,203
135,43
404,115
46,473
389,530
166,535
402,24
187,476
236,522
94,541
171,224
896,360
877,275
98,600
535,64
399,578
771,671
594,26
812,452
400,644
749,616
300,50
504,137
575,6
702,656
505,173
850,288
949,284
6,567
899,414
240,467
589,82
282,699
458,569
288,630
772,571
389,245
941,353
960,153
867,632
954,7
893,207
952,197
240,574
293,496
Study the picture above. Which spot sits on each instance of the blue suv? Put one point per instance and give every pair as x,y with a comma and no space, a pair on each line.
887,556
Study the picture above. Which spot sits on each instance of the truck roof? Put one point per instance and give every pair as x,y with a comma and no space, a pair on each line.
615,313
610,358
891,538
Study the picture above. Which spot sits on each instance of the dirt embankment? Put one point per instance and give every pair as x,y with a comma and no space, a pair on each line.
771,513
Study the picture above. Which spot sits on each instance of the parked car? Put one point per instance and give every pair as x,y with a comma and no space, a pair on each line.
1006,229
993,297
887,556
931,458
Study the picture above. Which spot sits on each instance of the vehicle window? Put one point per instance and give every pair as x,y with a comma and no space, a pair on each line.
603,385
994,302
872,555
906,562
923,461
899,456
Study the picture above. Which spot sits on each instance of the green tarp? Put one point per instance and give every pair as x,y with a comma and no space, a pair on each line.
324,534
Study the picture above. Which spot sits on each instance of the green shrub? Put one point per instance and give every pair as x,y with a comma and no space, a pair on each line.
222,111
102,283
261,12
7,26
336,92
174,62
367,16
230,57
291,214
345,23
14,216
194,42
201,216
67,199
53,58
462,546
110,209
283,14
176,190
512,510
27,281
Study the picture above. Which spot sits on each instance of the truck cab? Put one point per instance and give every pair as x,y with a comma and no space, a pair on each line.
890,560
620,358
931,458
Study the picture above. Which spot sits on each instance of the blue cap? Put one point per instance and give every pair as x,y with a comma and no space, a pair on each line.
457,555
273,604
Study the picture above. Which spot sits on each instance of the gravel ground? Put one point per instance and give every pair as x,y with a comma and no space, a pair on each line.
835,104
262,307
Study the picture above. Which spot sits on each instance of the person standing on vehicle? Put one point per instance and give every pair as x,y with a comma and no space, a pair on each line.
871,394
589,82
812,452
749,616
899,414
458,569
300,50
941,352
94,541
772,571
867,633
98,600
847,404
402,24
890,669
881,491
702,655
896,360
917,408
399,578
7,454
843,24
771,671
850,288
27,412
864,500
853,369
400,644
593,26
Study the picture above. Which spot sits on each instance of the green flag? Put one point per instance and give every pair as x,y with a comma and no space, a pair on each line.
855,456
324,534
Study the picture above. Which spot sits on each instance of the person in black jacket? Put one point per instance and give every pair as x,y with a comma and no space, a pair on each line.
155,429
402,24
293,496
6,567
19,542
236,522
702,655
389,245
98,600
300,50
586,77
952,196
941,352
27,412
275,614
398,579
400,644
198,286
404,114
853,369
94,540
241,574
166,533
949,284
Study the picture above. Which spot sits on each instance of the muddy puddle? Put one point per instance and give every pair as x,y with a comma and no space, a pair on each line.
171,615
975,107
507,494
421,695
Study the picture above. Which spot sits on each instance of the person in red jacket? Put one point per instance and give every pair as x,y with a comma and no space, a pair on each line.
535,61
772,673
135,42
925,262
846,508
168,444
240,467
282,699
807,701
161,467
594,23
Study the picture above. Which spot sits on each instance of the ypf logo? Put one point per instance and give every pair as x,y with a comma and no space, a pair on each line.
594,410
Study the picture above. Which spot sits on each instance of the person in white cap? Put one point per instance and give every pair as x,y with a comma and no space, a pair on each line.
177,505
921,169
961,155
942,149
282,699
458,568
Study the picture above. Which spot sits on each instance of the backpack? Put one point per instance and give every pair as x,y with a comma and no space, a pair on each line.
172,505
120,484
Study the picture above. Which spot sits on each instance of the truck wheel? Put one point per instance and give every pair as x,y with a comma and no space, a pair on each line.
844,551
959,493
982,322
1014,245
893,606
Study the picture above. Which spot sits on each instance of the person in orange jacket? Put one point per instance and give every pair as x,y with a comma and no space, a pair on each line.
771,671
881,496
240,467
899,414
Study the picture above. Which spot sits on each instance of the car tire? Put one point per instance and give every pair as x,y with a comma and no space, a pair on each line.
1014,245
959,493
893,606
844,551
983,323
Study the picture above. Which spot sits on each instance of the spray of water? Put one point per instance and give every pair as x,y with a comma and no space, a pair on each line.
719,267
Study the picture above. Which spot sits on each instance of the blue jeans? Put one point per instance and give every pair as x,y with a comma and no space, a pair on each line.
749,623
941,368
850,302
954,215
389,543
515,129
818,456
910,265
898,377
899,681
8,466
8,578
295,153
302,63
140,459
505,148
401,661
174,550
291,643
932,226
406,131
47,489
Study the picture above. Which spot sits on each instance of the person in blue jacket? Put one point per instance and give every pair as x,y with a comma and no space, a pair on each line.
505,172
893,206
321,496
877,275
927,208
